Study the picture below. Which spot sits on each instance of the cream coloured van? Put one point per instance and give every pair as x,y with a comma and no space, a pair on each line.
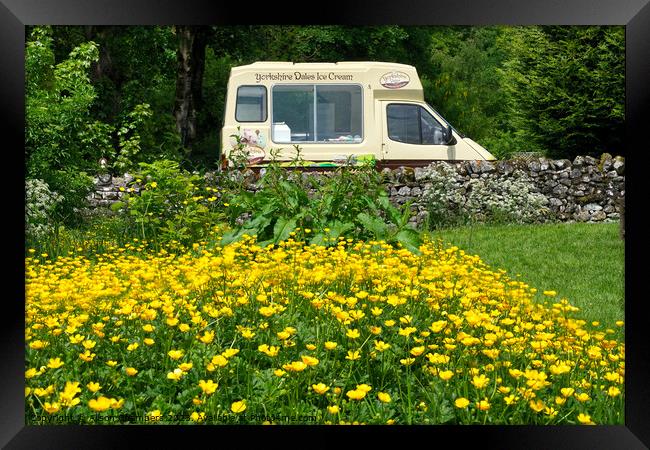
334,111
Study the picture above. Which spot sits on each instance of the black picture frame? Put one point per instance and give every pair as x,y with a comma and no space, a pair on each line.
633,14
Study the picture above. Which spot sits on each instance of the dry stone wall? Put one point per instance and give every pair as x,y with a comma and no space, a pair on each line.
586,189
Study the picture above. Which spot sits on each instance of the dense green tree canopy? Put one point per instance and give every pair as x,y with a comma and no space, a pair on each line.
555,90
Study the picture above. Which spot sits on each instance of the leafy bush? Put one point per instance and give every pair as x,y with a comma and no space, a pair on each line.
349,202
62,140
172,205
40,203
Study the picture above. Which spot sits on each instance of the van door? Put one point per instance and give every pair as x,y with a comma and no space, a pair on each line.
410,131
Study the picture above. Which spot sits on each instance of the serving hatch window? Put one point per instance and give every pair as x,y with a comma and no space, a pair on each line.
251,104
317,113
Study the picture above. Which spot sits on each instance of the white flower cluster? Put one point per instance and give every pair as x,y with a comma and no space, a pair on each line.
452,198
40,202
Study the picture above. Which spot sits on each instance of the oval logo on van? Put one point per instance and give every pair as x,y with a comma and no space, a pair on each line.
394,80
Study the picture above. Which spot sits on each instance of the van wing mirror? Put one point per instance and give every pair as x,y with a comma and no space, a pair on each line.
448,136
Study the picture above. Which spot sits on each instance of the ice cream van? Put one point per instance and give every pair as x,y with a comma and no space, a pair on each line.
336,112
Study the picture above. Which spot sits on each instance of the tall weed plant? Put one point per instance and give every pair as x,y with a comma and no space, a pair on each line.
350,202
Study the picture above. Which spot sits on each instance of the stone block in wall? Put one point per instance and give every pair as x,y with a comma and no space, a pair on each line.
560,191
416,191
404,174
480,167
420,173
619,165
598,216
404,191
606,162
534,166
592,207
579,161
591,161
549,185
505,167
575,173
562,163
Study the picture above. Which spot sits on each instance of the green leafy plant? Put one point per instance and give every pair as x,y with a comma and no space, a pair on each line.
320,209
173,204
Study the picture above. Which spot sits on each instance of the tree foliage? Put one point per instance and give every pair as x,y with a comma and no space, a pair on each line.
556,90
567,86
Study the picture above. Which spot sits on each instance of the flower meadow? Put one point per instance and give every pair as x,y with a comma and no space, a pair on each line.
354,332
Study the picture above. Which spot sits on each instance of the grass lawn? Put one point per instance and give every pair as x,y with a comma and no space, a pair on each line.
582,262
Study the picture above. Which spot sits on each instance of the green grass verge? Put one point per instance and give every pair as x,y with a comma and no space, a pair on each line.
582,262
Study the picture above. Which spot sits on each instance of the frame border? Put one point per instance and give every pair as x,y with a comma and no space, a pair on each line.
634,14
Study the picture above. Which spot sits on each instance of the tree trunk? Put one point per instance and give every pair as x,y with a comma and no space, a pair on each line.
189,80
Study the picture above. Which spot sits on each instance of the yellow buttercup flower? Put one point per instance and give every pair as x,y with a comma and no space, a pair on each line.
353,355
384,397
295,366
208,387
417,351
356,394
585,419
381,346
238,407
333,409
51,408
55,363
320,388
175,375
480,381
100,404
309,360
483,405
353,334
175,354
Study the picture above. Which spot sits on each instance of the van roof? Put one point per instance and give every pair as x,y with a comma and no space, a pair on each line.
324,65
370,73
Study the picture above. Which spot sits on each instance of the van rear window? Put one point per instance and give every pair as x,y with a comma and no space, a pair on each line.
317,113
251,104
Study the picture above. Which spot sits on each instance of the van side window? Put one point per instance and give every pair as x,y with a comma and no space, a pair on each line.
412,124
251,104
317,113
